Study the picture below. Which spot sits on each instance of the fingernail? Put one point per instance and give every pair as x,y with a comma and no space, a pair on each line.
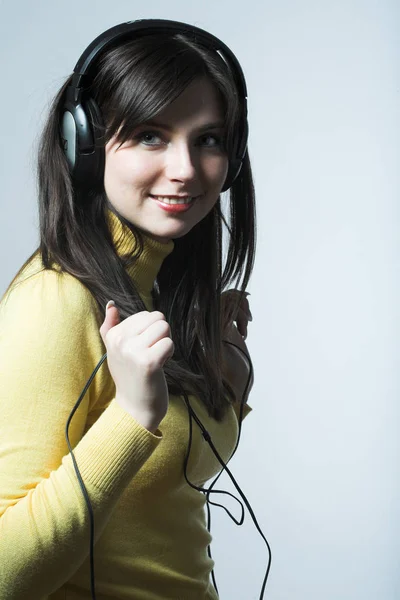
250,316
110,303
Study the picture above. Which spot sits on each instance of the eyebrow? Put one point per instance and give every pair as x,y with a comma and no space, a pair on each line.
207,126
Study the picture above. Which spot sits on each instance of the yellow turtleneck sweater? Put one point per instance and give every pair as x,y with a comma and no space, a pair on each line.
150,528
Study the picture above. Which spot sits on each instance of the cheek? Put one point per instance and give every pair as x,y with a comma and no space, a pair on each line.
217,169
133,170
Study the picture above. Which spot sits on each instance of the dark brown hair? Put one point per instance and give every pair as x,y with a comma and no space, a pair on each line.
132,83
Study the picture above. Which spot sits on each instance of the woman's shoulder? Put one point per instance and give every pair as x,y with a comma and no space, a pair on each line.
47,291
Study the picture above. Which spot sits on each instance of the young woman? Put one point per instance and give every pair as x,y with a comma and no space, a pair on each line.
141,225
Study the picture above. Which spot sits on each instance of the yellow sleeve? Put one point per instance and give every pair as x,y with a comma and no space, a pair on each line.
49,347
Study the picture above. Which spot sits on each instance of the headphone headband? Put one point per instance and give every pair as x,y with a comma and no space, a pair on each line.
116,34
86,162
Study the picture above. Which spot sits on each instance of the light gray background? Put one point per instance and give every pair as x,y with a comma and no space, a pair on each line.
319,454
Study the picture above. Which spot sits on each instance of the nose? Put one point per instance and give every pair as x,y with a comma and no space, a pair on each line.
181,163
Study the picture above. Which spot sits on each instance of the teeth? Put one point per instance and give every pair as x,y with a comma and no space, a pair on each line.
174,200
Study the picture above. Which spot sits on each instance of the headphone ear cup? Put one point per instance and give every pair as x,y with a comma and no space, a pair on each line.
81,131
233,172
235,164
90,167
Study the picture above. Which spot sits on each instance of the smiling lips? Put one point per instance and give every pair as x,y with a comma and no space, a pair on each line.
174,200
174,205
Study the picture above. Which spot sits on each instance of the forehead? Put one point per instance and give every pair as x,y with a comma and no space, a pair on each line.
199,102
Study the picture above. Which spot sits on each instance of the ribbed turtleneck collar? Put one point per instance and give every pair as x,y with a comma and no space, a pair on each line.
145,269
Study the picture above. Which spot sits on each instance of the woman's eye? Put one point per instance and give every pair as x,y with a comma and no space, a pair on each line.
211,141
150,138
153,138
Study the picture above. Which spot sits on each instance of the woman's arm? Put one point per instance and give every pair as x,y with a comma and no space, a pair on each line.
49,346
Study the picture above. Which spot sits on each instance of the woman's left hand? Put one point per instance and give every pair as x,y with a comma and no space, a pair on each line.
235,366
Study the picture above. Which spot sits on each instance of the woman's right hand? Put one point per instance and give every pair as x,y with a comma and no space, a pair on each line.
137,350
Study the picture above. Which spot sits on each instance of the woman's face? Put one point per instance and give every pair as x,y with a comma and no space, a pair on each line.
177,154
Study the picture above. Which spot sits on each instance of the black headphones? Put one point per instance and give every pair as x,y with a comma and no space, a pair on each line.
86,160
